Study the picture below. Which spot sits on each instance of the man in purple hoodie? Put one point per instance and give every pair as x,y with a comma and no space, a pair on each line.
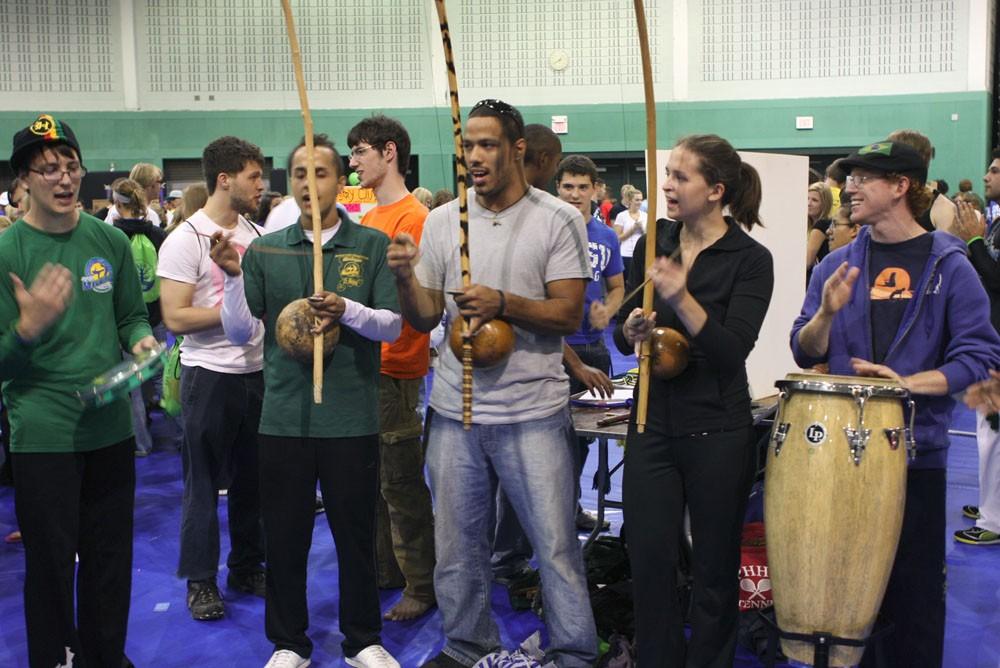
902,303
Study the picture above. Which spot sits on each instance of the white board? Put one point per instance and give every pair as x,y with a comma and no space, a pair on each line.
784,180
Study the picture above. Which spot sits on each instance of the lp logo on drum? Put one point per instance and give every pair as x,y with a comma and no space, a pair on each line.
816,433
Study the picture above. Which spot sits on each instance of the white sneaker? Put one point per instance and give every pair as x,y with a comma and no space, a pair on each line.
286,658
373,656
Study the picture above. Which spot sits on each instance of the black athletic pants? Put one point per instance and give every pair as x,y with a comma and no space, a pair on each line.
347,470
596,355
712,475
221,416
72,504
914,601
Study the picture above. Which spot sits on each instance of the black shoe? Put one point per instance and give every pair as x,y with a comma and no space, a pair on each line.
442,660
586,521
204,600
522,591
251,582
513,577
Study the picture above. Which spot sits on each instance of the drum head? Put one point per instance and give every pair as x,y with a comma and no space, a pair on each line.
819,382
121,379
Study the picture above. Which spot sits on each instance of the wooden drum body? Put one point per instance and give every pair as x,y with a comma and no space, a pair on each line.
835,487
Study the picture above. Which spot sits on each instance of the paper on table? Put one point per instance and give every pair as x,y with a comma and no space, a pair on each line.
622,396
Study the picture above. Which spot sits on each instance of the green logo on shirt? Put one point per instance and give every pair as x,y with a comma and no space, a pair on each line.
351,270
97,275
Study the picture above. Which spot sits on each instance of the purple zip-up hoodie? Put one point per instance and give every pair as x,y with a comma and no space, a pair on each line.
946,326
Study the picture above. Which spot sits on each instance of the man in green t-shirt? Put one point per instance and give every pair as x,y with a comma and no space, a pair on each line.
335,441
74,486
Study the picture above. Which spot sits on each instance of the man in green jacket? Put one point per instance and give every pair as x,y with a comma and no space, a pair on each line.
74,488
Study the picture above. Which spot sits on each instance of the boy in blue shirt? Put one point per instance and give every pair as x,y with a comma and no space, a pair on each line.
585,355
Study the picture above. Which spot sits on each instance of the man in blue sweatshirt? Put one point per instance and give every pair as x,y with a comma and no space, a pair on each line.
902,303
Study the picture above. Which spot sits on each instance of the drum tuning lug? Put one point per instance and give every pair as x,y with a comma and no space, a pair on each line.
911,440
858,440
779,436
893,435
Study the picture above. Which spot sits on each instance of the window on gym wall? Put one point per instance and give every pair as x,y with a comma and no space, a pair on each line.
617,169
6,175
412,177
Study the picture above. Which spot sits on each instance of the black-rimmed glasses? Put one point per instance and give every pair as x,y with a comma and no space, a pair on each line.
54,173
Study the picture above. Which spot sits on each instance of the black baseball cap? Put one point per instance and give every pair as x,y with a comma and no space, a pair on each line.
44,130
888,156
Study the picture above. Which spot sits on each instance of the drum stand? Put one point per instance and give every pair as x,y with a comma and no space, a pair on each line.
822,642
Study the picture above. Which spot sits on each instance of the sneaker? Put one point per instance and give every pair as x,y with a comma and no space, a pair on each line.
319,506
373,656
972,512
252,582
977,536
286,658
442,660
586,521
204,600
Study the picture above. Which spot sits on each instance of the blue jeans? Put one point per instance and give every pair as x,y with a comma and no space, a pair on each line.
511,551
534,467
143,439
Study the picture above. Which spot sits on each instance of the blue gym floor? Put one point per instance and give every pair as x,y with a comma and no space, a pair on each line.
163,635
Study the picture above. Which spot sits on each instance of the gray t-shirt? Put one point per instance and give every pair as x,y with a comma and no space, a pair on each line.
518,250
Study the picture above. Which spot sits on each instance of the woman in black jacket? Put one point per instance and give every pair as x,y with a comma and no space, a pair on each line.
713,283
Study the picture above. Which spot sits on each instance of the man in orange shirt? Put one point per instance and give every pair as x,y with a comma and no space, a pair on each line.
380,152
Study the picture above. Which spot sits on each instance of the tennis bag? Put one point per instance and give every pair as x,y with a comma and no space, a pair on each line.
144,254
170,393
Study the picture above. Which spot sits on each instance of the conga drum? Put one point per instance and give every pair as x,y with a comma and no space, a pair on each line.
835,486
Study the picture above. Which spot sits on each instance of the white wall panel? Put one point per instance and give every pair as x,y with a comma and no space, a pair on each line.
784,179
233,54
828,48
512,49
61,54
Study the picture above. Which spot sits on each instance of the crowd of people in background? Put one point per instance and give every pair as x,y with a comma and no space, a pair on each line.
508,491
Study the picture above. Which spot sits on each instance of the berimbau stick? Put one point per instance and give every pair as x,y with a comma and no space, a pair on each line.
317,225
461,173
651,174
